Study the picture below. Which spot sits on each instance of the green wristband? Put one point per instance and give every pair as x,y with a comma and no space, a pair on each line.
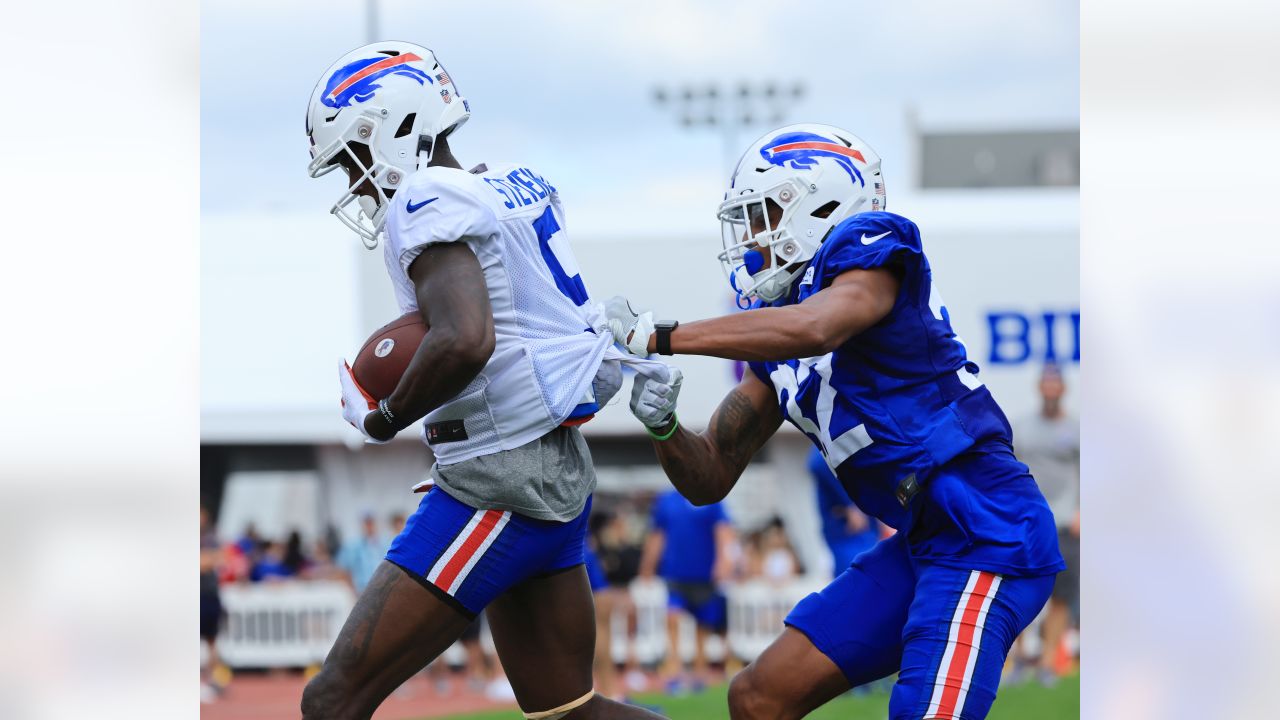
675,425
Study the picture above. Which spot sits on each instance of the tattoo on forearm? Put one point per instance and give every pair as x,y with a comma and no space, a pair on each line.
702,465
735,427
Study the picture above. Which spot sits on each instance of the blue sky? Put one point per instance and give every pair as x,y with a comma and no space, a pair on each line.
566,87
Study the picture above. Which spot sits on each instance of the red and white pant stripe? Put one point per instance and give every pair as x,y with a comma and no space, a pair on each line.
453,567
964,640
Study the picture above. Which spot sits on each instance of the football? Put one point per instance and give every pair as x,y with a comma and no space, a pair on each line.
385,356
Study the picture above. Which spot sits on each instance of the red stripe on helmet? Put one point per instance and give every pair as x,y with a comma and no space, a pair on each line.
814,145
371,69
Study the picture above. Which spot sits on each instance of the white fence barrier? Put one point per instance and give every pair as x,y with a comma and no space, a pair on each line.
288,624
293,624
756,612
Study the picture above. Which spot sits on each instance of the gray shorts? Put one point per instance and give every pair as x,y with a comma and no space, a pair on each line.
547,479
1067,586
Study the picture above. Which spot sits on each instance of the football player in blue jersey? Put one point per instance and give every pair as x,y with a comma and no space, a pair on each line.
848,339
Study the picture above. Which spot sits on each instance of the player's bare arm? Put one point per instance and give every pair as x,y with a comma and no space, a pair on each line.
454,302
705,466
855,301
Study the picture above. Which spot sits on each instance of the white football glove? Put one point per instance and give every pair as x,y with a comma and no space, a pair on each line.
608,382
356,403
630,330
653,399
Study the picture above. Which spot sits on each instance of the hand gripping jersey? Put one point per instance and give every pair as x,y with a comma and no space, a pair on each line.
895,404
546,353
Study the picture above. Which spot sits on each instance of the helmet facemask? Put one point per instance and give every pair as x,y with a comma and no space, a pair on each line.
817,176
355,207
379,112
761,256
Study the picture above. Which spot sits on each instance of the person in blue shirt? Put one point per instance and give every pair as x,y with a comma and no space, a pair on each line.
848,531
688,547
848,339
361,555
271,564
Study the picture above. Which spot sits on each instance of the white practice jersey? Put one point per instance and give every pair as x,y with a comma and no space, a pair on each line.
546,354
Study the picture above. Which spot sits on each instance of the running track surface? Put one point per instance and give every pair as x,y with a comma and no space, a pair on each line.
275,695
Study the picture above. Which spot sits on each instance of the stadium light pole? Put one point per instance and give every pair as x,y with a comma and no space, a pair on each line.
730,108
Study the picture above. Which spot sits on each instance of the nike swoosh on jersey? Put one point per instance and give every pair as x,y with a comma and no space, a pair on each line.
411,207
868,240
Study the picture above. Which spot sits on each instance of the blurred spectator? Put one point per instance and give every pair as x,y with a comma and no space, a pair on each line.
397,523
616,537
847,530
778,563
619,554
249,542
295,560
689,547
606,673
211,613
271,564
361,555
322,566
1049,443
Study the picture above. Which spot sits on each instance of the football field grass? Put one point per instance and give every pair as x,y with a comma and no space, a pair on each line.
1019,702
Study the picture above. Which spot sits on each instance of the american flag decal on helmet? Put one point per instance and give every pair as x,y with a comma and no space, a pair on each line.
443,78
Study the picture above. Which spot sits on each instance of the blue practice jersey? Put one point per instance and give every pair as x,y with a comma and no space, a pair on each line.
689,553
844,542
895,404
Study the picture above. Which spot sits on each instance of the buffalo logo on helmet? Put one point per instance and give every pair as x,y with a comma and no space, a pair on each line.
801,151
358,81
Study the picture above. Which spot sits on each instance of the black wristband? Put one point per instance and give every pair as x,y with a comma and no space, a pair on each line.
387,414
662,335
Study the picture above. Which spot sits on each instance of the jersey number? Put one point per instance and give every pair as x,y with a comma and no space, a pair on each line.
787,379
559,257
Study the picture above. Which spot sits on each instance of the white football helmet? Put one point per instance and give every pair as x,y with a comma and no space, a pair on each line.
817,175
383,106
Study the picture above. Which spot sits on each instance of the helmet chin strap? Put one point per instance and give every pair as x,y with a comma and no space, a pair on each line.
741,300
426,146
774,287
752,262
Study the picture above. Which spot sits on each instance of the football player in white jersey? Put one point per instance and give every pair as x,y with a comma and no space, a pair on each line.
512,363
